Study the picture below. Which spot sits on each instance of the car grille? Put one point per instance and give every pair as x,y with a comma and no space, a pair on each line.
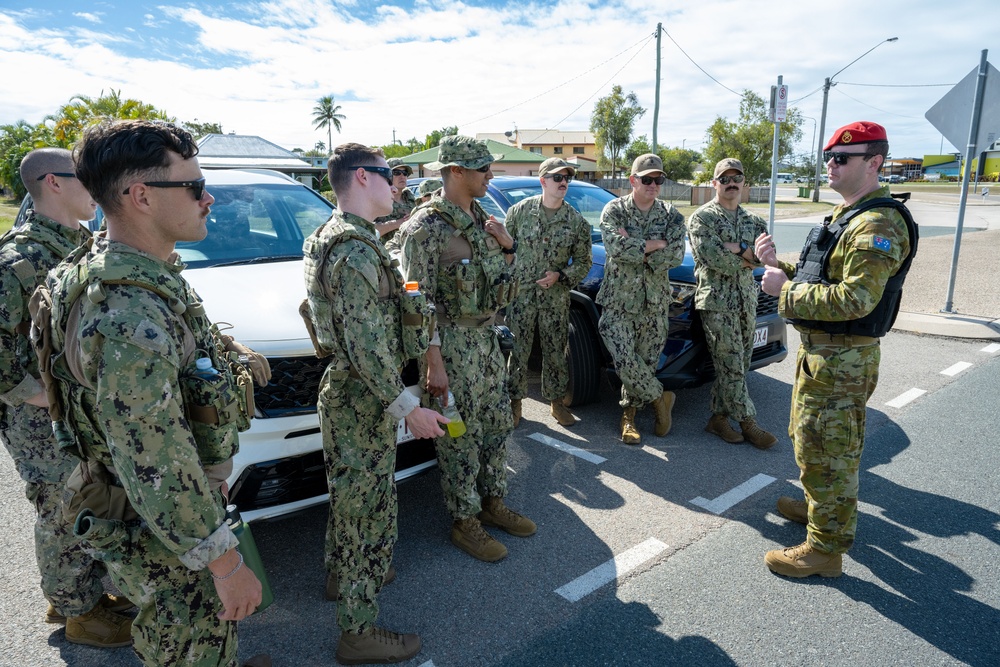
293,388
766,304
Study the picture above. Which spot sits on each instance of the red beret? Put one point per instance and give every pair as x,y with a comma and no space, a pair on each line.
860,132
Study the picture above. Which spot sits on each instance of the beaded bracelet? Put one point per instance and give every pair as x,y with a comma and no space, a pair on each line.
235,569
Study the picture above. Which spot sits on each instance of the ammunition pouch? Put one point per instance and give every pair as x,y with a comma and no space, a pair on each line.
212,408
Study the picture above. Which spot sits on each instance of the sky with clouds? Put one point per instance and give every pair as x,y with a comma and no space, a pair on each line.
412,67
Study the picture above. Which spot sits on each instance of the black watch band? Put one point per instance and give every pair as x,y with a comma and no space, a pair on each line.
511,250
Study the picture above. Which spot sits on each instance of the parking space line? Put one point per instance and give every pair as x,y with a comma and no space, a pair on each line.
569,449
733,496
955,369
429,663
607,572
992,348
906,397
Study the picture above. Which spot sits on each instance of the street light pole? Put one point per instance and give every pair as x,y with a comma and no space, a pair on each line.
822,119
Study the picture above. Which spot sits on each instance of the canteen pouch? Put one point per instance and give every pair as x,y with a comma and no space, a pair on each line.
466,275
416,315
212,409
92,488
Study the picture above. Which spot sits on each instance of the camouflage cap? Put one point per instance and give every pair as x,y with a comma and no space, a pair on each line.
647,164
429,187
397,163
554,164
466,152
725,164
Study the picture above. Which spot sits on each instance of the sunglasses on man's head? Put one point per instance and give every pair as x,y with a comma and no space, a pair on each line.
384,172
559,178
197,187
659,180
840,158
56,173
735,178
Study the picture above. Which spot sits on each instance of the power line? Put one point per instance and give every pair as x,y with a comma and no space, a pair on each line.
897,85
899,115
791,102
699,66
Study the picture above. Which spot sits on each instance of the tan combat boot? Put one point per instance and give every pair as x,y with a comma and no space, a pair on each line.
562,414
259,660
663,406
99,627
332,592
115,603
498,515
469,536
515,408
719,425
376,645
757,436
803,561
630,434
794,510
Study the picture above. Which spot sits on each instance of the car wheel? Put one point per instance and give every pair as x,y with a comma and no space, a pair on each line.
584,371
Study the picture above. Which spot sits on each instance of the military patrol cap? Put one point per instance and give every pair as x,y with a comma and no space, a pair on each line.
397,163
724,165
861,132
429,187
466,152
647,164
555,164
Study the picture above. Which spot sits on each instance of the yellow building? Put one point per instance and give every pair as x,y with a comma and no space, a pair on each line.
574,146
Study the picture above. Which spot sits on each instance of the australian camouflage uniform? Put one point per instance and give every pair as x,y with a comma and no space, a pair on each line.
635,292
70,578
547,241
836,373
726,300
156,439
354,310
464,273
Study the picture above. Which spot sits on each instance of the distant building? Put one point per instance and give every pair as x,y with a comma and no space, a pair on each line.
942,165
515,162
243,151
574,146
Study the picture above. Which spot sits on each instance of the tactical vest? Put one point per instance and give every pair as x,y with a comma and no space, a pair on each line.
813,264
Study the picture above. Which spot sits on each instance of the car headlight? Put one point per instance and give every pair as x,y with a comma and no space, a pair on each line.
680,293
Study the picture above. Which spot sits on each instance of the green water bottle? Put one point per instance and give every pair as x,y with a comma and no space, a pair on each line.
251,557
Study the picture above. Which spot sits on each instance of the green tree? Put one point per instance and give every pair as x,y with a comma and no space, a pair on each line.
16,141
395,150
199,130
750,138
639,146
679,163
326,114
82,111
434,138
611,123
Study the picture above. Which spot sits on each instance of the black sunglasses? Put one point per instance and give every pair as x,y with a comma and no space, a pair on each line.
735,178
559,178
399,172
197,187
485,168
659,180
384,172
56,173
840,158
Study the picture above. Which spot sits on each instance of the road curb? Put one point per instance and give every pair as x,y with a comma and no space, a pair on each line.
950,325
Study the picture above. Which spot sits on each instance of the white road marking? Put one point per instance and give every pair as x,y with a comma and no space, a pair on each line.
906,397
607,572
992,348
733,496
429,663
956,368
569,449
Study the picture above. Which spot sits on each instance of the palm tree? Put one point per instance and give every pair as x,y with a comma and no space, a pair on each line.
325,115
82,111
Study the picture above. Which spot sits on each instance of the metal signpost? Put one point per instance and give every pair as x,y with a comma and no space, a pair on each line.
778,113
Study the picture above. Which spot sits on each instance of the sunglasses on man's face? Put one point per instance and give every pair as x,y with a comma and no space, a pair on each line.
197,187
840,158
659,180
485,168
399,172
726,180
56,173
384,172
559,178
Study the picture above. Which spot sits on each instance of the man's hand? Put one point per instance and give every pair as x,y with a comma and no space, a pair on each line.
423,423
653,245
765,250
498,231
437,378
772,281
548,280
240,593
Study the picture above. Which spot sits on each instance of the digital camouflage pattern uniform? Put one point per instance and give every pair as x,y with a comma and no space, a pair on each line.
559,243
466,277
833,380
71,578
403,207
354,293
635,292
134,352
726,299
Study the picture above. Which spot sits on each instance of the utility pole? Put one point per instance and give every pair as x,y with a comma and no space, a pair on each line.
656,102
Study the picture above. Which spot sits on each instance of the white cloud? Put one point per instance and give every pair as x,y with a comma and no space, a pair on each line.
88,16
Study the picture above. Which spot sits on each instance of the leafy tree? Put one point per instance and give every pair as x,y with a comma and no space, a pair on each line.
750,138
611,123
639,146
679,163
395,150
82,111
434,138
414,145
199,130
16,141
326,115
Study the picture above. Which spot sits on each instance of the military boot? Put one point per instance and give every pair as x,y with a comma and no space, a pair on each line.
498,515
99,627
757,436
794,510
259,660
115,603
630,434
469,536
562,414
719,425
332,592
663,406
376,645
515,408
803,561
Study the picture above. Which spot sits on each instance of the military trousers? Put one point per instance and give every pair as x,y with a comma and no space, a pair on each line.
70,576
729,337
827,427
547,312
635,343
359,448
474,465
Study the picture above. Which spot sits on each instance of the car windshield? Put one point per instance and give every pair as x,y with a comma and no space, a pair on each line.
256,223
588,201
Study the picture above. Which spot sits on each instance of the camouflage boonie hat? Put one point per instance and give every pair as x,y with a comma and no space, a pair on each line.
397,163
429,187
554,164
465,152
647,164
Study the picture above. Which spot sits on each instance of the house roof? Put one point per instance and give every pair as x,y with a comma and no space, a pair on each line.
544,136
510,154
219,151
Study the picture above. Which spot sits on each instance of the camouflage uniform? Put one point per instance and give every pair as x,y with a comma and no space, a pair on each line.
635,292
833,377
354,297
460,273
726,299
135,353
71,578
399,209
560,243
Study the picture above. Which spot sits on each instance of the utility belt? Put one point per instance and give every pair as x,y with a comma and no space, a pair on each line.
814,338
466,322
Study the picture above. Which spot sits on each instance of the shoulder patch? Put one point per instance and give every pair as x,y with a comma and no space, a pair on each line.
879,244
150,336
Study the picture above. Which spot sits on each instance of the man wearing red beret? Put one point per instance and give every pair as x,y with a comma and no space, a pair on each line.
842,296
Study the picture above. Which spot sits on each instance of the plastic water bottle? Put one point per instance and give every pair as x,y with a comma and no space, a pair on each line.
456,427
204,369
251,557
412,288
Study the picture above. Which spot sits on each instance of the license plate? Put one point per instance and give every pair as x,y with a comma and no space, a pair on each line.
403,433
760,337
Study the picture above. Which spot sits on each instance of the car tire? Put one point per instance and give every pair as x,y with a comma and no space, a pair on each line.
584,370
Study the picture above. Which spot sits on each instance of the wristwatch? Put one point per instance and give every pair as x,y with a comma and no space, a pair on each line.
511,250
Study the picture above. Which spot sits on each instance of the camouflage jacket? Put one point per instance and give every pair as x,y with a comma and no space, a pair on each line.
132,418
31,250
635,282
407,203
354,291
559,244
868,253
723,283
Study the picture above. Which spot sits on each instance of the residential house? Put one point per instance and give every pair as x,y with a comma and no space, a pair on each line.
244,151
